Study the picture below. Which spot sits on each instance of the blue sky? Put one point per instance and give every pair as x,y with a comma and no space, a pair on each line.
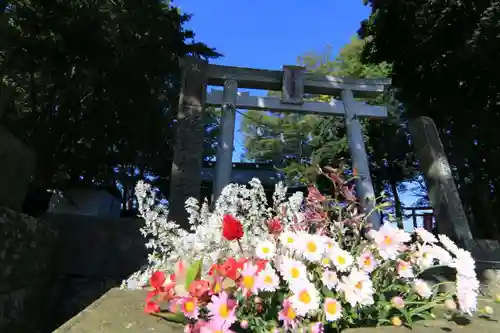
269,34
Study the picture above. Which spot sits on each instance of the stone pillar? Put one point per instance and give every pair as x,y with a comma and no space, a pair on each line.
185,180
224,163
356,142
443,194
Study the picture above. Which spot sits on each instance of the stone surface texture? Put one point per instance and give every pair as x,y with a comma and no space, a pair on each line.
118,311
16,168
54,267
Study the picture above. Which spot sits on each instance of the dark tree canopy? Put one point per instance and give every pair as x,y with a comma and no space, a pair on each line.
92,86
444,57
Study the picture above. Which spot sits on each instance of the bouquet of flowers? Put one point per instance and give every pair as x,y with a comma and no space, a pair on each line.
305,264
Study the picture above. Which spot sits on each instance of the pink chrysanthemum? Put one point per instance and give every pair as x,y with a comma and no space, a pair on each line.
216,326
189,307
288,315
220,309
249,280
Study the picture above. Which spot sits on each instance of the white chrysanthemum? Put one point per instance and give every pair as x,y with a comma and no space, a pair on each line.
311,247
330,243
357,288
443,257
332,309
330,279
426,236
305,298
292,270
467,292
425,255
448,244
289,240
422,288
367,261
341,259
268,279
265,250
325,260
404,269
389,240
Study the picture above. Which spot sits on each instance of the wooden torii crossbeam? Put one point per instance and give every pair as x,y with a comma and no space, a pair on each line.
293,82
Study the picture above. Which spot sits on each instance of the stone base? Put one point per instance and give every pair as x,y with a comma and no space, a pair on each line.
118,311
121,311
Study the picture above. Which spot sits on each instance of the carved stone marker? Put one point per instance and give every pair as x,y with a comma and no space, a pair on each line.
185,180
445,200
17,164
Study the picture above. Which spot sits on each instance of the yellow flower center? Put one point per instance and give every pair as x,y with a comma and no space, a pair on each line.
290,313
341,260
311,247
265,250
396,321
331,308
217,288
189,306
304,297
325,261
223,311
359,285
218,331
268,280
290,240
295,272
248,281
367,261
387,240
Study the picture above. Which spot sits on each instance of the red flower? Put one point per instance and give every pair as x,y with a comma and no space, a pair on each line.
229,269
199,288
231,228
151,307
261,264
274,226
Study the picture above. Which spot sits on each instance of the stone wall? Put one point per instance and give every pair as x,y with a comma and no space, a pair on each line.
26,266
53,268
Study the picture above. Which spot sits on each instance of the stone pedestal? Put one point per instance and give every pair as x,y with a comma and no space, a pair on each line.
118,311
17,164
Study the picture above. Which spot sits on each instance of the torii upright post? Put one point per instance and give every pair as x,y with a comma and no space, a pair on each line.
224,162
293,82
359,158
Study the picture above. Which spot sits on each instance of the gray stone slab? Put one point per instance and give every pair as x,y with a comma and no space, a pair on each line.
118,311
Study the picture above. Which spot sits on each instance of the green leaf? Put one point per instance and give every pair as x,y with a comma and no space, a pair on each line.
327,292
193,272
172,317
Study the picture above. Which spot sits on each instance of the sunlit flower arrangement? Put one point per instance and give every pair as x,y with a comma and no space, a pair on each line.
308,263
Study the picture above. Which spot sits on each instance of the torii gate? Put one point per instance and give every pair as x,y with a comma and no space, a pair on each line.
293,82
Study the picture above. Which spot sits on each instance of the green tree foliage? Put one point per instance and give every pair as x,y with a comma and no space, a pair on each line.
323,139
444,57
92,86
